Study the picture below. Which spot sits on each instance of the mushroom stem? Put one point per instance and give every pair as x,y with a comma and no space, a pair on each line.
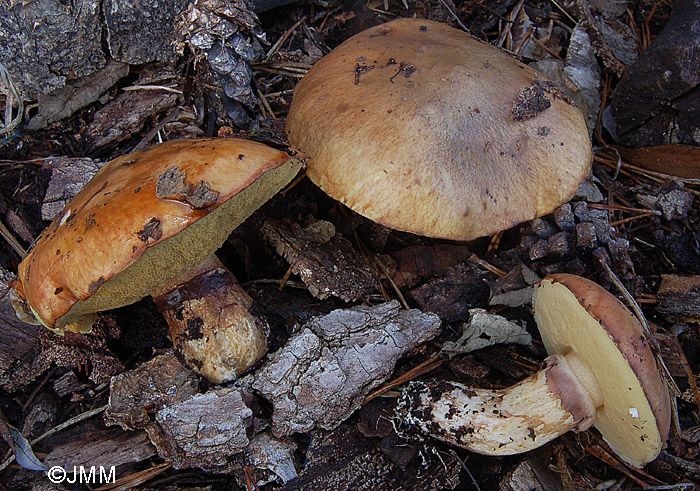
210,322
501,422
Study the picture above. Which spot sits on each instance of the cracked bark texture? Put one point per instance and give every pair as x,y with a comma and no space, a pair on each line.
323,373
344,460
154,385
47,42
205,431
21,357
149,21
327,264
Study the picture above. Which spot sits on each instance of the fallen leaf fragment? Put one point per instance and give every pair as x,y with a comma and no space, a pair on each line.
484,329
23,451
677,160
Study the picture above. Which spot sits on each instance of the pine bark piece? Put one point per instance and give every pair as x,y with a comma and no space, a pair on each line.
679,297
101,447
204,431
451,297
272,458
68,177
321,376
32,33
328,264
126,115
77,93
73,350
149,21
419,261
343,460
21,357
160,382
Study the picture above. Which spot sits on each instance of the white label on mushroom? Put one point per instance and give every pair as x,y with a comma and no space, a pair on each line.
634,412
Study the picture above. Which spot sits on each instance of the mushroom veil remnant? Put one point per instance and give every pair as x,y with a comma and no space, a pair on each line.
423,128
600,371
148,223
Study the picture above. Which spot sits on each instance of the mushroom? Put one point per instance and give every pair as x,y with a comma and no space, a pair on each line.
600,371
148,223
424,129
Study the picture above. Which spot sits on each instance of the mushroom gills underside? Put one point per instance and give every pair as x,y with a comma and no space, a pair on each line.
165,260
625,420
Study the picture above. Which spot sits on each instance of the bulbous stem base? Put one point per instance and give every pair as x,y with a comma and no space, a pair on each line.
210,322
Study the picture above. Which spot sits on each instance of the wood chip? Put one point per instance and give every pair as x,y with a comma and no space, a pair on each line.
679,298
89,446
452,296
323,373
68,383
328,264
343,460
205,431
138,394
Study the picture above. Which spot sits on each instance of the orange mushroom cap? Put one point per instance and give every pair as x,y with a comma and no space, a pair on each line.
143,219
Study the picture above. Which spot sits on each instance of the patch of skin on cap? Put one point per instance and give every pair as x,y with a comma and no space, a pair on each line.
172,185
151,230
531,100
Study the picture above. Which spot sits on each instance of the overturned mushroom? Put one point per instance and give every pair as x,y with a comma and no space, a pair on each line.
454,138
148,224
601,371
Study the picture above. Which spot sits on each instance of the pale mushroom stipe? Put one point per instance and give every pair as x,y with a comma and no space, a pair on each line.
148,223
424,129
601,371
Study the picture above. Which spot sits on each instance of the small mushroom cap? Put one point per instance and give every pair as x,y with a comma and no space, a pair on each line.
577,315
143,219
422,128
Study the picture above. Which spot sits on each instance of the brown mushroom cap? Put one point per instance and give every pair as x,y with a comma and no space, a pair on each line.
143,219
575,315
422,128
